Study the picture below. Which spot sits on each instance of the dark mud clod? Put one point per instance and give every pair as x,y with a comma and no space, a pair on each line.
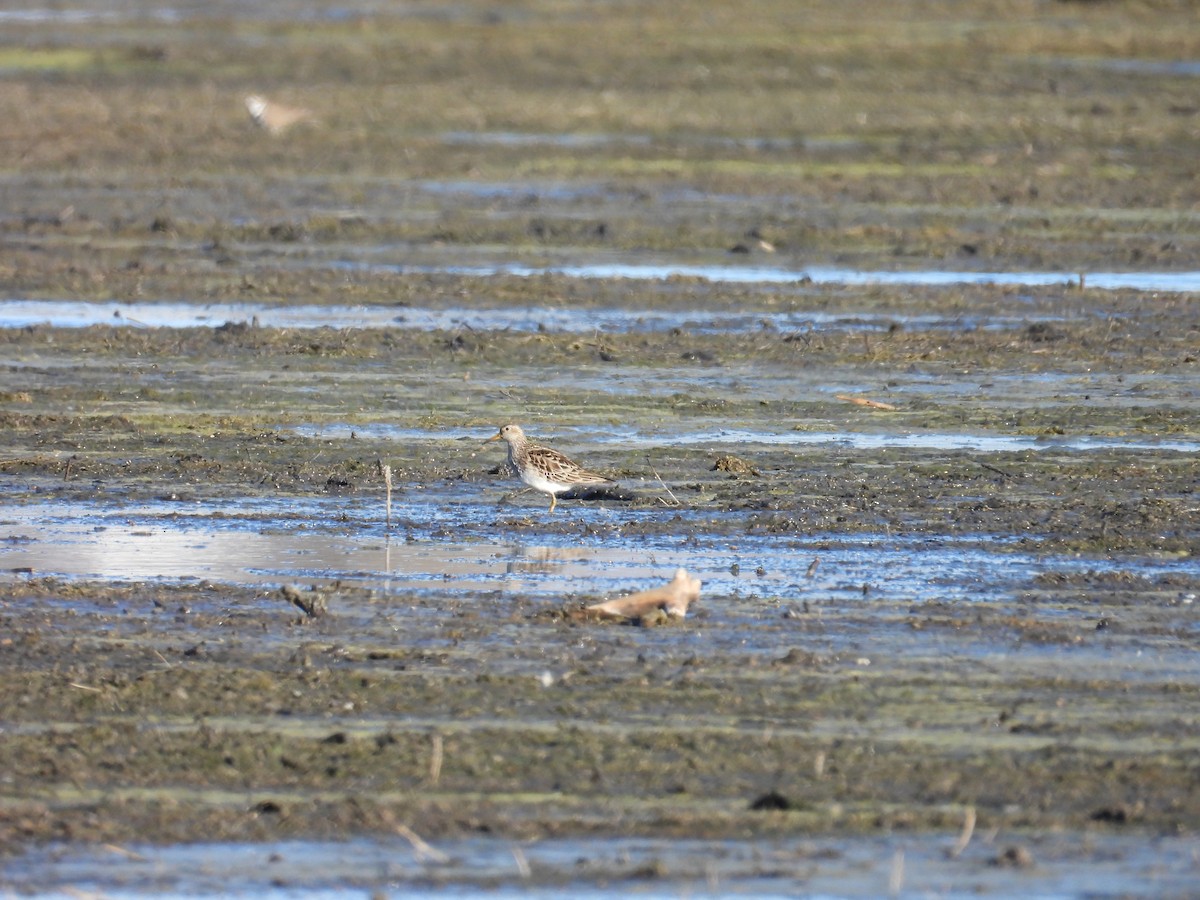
734,465
1043,332
772,801
797,657
1015,857
1114,815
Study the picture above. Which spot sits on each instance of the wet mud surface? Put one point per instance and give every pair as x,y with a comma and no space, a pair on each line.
947,529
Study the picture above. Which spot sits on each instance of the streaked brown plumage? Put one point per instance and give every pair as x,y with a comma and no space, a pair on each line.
542,468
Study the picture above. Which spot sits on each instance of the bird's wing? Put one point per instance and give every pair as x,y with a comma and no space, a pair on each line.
562,468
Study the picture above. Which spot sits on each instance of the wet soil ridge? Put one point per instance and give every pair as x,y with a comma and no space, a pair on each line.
185,708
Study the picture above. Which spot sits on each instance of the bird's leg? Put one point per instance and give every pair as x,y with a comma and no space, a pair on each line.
553,501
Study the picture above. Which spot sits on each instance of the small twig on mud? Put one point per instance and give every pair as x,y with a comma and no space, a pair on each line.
995,469
674,499
309,462
125,318
435,758
163,658
121,851
812,567
84,687
420,848
867,344
522,863
964,836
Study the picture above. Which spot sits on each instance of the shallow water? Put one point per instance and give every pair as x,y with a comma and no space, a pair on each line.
678,435
899,866
74,314
446,556
594,140
466,549
171,13
1167,282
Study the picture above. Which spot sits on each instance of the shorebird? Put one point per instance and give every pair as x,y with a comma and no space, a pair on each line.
542,468
274,117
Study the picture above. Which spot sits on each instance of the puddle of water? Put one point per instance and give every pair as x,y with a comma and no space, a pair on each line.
678,435
341,539
987,443
91,11
821,275
486,262
500,190
1168,282
460,549
34,15
572,140
76,314
592,140
1067,866
414,583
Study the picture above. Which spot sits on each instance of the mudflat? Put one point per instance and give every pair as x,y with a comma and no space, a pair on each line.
883,317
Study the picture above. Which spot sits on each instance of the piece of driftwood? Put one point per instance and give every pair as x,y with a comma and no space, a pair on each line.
673,599
864,401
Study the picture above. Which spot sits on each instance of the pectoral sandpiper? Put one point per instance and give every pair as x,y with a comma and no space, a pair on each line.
544,469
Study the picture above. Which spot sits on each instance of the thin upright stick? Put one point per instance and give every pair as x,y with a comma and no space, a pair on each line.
896,876
435,758
386,472
670,494
964,836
